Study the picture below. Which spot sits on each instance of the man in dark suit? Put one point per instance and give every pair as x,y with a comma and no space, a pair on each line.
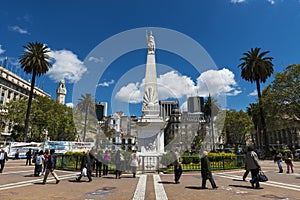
206,172
86,162
28,157
3,158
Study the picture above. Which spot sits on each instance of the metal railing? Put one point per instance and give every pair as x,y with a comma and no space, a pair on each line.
154,163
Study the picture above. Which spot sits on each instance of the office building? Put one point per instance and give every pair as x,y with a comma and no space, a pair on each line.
101,110
195,104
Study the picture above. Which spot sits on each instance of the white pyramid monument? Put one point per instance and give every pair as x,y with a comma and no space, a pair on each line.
150,125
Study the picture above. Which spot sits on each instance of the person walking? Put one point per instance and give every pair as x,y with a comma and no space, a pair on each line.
3,159
134,162
46,158
38,163
278,160
245,175
177,166
51,166
119,159
28,157
98,158
251,164
86,165
106,159
206,172
289,162
17,157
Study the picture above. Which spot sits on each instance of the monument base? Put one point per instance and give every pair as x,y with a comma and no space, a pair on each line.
150,136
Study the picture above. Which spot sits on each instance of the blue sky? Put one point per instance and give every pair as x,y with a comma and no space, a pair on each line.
224,28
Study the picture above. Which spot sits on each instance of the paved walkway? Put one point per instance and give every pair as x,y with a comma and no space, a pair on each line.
17,182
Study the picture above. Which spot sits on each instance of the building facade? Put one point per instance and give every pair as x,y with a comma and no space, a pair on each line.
195,104
166,107
13,87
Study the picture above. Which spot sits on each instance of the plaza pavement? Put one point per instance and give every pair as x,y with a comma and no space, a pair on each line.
17,182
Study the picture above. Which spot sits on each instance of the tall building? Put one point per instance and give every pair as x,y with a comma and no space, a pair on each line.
166,107
195,104
61,92
13,87
101,110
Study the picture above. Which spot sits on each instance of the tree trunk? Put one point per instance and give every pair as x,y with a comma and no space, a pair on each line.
263,122
29,104
85,122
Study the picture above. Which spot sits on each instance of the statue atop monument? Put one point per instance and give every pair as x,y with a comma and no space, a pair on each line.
151,43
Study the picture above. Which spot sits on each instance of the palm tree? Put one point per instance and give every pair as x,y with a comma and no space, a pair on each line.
256,67
211,109
35,61
254,114
86,105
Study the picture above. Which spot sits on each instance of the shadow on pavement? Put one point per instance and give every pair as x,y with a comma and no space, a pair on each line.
166,182
239,180
195,187
30,175
74,181
108,177
242,186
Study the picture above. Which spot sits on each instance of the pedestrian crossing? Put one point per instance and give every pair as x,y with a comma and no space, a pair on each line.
148,186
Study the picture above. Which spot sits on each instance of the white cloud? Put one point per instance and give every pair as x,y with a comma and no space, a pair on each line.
271,1
238,1
135,91
184,106
174,85
66,66
171,84
18,29
254,93
70,105
243,1
1,50
96,60
106,84
217,82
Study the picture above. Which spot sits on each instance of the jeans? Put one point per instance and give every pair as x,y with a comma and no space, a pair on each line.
254,180
279,163
177,172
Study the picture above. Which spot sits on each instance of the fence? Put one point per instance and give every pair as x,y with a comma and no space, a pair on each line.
154,163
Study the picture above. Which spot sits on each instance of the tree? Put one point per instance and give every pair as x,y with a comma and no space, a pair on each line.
281,102
48,118
284,92
237,128
256,67
35,61
86,105
211,110
253,113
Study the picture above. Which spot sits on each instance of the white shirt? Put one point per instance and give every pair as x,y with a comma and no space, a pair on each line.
39,159
2,155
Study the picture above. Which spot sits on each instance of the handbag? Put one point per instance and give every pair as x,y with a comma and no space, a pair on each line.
84,172
261,177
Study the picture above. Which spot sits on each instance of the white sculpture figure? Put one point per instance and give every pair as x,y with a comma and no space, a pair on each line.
151,43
